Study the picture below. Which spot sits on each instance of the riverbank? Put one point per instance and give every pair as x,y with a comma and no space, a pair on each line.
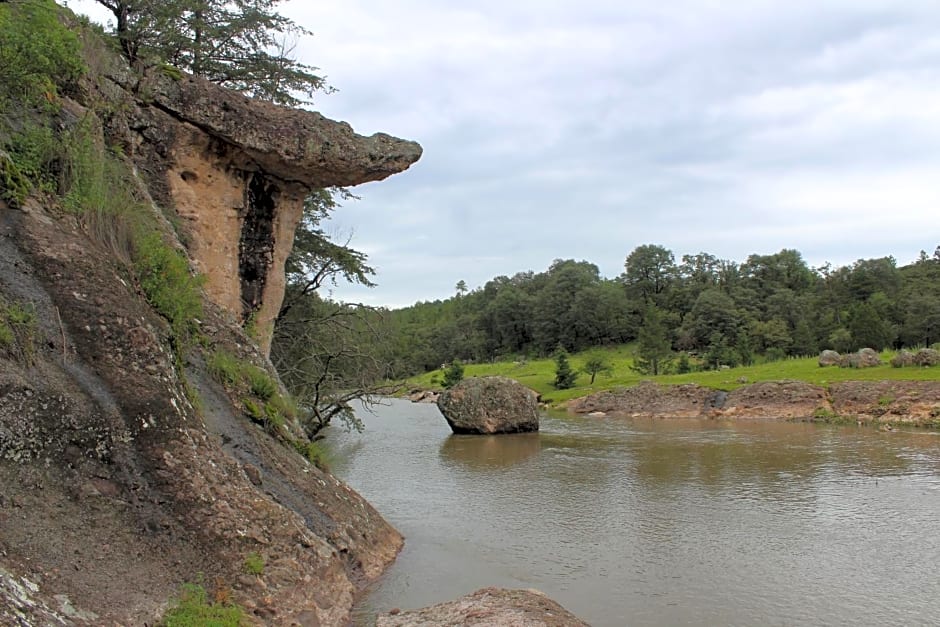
913,403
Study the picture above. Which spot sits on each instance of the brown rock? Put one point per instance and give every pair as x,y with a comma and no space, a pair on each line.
489,607
490,405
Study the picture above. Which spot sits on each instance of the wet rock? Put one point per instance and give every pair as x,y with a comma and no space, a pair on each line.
490,405
488,607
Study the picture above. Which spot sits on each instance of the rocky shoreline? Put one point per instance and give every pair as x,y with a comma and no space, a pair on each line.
913,403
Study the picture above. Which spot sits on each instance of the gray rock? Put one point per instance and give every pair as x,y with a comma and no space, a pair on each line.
927,357
829,358
484,405
487,608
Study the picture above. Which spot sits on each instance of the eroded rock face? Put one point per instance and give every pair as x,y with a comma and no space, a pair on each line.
490,405
489,607
115,490
237,171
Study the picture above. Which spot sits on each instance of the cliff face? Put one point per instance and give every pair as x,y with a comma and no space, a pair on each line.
114,487
237,171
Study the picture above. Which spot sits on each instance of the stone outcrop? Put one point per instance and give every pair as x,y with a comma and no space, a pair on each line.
237,171
905,402
116,490
126,470
829,358
489,607
649,400
485,405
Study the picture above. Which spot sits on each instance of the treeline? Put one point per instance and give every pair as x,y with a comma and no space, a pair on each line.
723,312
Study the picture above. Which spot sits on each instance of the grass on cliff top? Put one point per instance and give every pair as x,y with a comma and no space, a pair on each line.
539,374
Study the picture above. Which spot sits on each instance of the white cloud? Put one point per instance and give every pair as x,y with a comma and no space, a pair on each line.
555,129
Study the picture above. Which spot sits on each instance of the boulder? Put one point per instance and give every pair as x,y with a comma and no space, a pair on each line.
485,405
488,607
903,359
865,358
829,358
927,357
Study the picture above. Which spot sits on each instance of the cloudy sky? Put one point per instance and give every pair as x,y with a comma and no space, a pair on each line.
561,129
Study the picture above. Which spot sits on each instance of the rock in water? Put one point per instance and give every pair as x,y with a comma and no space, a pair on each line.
485,405
486,608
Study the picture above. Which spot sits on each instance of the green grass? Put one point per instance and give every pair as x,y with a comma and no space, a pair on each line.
538,374
261,398
19,331
254,564
193,609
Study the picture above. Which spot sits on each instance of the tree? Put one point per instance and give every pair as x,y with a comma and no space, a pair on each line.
242,44
649,271
654,346
564,375
453,374
461,288
595,365
325,353
867,328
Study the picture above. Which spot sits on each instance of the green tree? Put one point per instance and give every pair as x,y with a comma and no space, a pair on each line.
649,271
867,328
596,364
453,374
564,375
242,44
654,344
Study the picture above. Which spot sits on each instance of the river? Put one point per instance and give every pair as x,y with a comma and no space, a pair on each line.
657,522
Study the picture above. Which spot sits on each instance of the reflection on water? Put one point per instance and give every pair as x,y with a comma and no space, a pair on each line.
658,522
490,451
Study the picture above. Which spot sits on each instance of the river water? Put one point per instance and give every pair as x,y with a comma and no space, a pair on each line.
657,522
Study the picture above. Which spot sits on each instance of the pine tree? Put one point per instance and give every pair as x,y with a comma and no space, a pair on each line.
564,375
654,348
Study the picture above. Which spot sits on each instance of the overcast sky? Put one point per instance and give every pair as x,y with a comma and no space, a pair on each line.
560,129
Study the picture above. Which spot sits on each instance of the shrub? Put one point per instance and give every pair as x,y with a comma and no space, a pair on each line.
254,564
37,52
453,375
18,331
260,382
193,609
169,286
224,368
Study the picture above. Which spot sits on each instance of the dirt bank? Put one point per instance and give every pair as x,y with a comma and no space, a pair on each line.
914,403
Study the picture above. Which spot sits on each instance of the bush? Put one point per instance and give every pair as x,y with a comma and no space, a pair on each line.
18,331
193,609
37,52
453,375
254,564
169,286
260,382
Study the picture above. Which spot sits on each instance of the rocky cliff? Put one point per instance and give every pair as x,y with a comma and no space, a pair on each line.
125,468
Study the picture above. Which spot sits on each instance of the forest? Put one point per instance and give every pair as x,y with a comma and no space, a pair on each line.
716,311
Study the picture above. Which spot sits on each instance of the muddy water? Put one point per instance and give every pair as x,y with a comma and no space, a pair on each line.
630,522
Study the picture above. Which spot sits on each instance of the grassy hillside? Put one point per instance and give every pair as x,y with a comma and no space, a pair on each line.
539,374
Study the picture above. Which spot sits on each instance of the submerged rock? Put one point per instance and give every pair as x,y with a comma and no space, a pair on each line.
489,606
485,405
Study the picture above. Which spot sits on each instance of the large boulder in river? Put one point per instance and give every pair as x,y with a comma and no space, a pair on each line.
484,405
